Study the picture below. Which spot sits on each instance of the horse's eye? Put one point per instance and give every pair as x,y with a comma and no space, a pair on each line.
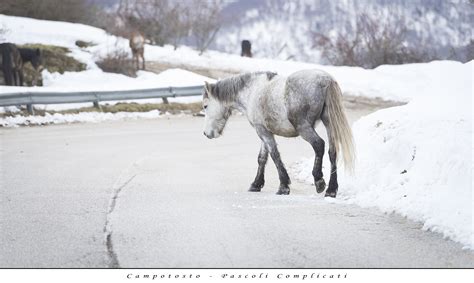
205,106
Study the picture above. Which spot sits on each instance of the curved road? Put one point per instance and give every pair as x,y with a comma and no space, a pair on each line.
157,193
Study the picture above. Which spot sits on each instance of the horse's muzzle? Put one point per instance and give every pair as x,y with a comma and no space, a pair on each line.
209,136
212,134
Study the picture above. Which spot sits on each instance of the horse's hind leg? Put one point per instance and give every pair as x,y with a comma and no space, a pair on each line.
307,132
8,76
16,78
21,77
333,185
271,144
259,181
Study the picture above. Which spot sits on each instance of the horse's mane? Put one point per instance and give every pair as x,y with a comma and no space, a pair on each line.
226,90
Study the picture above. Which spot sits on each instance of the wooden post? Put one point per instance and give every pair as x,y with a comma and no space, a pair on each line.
246,49
30,109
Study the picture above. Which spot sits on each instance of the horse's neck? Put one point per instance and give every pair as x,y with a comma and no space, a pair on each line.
245,98
26,57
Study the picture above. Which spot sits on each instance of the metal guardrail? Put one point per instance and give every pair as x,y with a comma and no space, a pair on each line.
31,98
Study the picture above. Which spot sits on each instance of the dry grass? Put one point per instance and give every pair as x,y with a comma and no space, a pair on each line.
173,108
55,59
118,62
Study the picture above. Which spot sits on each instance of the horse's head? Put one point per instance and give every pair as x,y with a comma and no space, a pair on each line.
37,59
217,112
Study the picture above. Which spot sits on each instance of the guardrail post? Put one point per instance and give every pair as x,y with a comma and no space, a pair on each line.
165,100
30,109
97,105
96,101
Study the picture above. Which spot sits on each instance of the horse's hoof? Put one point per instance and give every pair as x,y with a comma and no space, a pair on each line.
254,189
330,194
283,191
320,185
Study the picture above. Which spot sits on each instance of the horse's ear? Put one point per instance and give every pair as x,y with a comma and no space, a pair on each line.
207,89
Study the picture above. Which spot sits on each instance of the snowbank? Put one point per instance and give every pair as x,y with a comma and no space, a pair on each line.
416,159
92,117
387,82
96,80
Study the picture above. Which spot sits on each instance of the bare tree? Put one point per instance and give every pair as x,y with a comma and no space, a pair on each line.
168,22
161,21
376,40
179,24
206,21
57,10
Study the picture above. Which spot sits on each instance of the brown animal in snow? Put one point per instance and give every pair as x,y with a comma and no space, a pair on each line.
137,44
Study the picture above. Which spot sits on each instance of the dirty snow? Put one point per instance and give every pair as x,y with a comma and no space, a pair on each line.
91,117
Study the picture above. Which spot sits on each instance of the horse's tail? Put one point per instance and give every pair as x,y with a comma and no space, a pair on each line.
341,133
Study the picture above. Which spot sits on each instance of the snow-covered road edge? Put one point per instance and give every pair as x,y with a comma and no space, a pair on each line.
91,117
416,159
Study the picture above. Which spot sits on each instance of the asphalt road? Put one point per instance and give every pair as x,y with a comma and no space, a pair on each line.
159,194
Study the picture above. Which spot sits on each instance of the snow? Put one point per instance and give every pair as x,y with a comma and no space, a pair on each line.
414,159
385,82
437,24
93,79
91,117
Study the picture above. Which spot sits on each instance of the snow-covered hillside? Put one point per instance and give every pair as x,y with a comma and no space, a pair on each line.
386,82
285,29
25,30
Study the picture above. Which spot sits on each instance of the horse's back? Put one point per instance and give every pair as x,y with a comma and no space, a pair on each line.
137,41
11,57
305,95
306,81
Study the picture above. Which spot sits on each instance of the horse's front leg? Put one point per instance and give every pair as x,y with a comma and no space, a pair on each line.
259,181
271,144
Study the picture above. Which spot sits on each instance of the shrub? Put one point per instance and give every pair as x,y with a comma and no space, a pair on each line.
169,22
118,62
84,44
56,10
377,40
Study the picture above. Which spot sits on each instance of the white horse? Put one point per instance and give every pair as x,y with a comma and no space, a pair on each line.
285,106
